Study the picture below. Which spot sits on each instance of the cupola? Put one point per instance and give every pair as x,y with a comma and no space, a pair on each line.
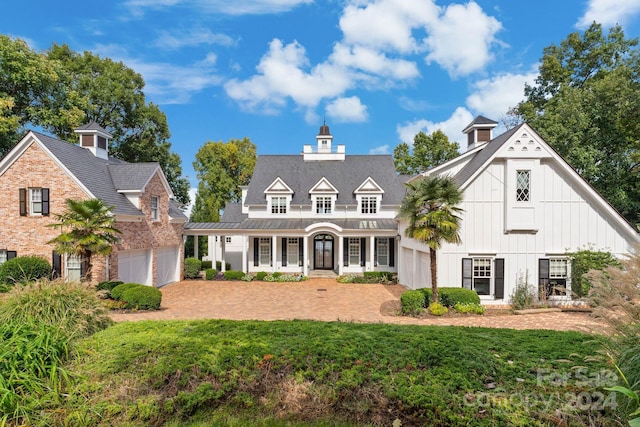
324,141
479,131
94,138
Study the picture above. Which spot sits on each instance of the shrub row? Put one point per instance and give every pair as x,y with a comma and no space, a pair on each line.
383,277
137,296
413,302
449,297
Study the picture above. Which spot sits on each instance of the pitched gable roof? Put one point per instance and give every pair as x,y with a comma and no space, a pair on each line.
346,176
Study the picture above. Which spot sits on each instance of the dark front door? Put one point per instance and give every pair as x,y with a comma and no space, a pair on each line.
323,252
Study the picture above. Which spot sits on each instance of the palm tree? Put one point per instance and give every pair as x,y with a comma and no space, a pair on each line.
87,228
430,208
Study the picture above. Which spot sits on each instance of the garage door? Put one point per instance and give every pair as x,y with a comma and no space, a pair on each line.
167,264
134,266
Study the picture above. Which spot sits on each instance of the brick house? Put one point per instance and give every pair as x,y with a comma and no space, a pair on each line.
41,172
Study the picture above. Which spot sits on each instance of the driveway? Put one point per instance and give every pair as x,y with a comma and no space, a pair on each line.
324,300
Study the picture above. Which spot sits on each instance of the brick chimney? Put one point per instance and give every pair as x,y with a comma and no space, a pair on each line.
479,132
94,138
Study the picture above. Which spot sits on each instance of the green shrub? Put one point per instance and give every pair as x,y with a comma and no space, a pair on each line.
192,267
142,298
233,275
260,275
523,295
72,306
449,297
206,265
585,260
412,302
276,275
108,285
248,277
227,266
463,307
438,309
24,269
210,274
116,293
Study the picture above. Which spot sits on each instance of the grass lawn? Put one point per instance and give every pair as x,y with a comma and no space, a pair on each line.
304,373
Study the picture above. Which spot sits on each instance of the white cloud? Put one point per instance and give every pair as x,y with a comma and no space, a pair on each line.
413,105
237,7
608,12
192,201
373,62
383,149
452,127
460,40
166,83
347,110
493,97
194,37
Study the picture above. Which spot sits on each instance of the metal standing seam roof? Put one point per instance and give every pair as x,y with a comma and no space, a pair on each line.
345,175
102,177
295,224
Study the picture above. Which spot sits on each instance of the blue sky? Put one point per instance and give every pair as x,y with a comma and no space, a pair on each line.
379,71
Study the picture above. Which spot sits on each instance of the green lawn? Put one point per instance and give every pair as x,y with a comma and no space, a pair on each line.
281,373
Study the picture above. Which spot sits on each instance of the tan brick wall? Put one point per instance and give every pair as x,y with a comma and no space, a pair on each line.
29,235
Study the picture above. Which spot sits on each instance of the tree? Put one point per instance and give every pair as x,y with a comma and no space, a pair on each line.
585,104
430,209
428,151
87,228
221,167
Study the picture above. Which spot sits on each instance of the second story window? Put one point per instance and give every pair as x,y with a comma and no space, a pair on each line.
323,205
154,208
369,205
523,185
35,201
279,205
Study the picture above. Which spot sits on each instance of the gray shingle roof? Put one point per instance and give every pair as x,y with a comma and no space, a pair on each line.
93,126
346,176
233,213
101,177
483,155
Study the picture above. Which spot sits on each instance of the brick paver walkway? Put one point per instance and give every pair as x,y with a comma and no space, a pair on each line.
321,299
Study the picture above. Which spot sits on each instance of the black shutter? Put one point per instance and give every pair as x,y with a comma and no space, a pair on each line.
543,276
467,273
23,201
45,201
284,251
83,268
271,254
345,251
255,251
499,278
11,254
300,252
375,252
392,252
363,251
56,262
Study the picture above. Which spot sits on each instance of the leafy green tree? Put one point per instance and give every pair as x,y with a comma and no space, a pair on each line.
430,208
87,228
585,104
428,151
221,167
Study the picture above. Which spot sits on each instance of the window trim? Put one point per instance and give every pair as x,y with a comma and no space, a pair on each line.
546,270
324,199
369,205
382,242
279,205
32,201
264,243
155,210
354,251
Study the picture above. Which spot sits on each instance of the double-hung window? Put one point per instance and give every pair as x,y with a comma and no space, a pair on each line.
354,251
278,205
35,201
323,205
265,251
369,205
154,208
293,251
382,252
553,276
481,279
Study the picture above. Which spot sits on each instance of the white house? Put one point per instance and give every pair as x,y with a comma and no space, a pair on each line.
316,212
524,208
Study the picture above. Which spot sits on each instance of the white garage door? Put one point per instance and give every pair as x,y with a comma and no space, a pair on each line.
134,266
167,264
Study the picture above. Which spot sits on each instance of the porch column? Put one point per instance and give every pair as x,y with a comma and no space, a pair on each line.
195,246
274,253
223,264
372,253
245,248
305,256
340,255
211,250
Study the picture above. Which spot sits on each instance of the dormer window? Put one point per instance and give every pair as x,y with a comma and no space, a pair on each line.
278,205
324,205
369,205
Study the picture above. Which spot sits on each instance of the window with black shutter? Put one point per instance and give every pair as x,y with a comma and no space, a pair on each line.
363,252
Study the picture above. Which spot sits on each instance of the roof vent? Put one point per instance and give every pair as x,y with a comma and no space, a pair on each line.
94,138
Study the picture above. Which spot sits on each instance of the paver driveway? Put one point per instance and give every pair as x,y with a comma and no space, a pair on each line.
321,299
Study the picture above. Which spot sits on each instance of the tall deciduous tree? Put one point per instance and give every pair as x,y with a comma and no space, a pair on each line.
221,167
430,208
585,103
427,152
87,228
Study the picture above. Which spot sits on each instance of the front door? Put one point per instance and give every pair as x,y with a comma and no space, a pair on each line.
323,252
